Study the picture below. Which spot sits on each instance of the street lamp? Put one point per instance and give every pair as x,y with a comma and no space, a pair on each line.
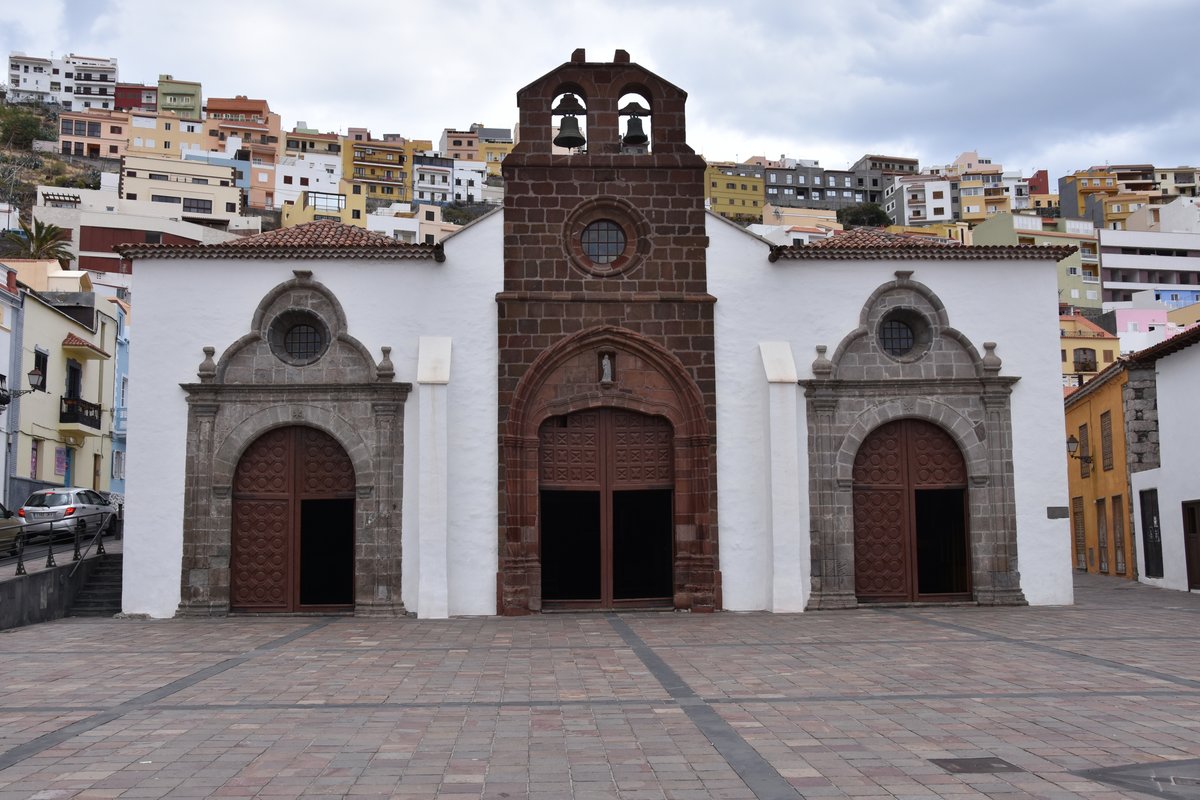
1072,448
37,382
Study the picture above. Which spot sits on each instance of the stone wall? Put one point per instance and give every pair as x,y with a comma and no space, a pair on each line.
1140,399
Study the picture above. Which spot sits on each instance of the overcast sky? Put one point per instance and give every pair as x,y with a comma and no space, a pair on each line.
1055,84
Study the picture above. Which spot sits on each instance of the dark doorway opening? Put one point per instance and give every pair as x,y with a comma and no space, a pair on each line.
1151,533
606,514
326,552
1191,542
570,546
941,523
642,554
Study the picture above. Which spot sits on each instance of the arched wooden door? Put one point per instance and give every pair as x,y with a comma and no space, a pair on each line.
293,524
605,510
911,539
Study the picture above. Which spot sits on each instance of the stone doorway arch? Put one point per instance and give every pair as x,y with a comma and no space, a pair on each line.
611,369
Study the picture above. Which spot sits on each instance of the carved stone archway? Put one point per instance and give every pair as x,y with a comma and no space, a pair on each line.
942,379
639,376
258,385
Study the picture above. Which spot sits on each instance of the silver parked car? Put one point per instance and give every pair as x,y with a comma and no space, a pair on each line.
62,512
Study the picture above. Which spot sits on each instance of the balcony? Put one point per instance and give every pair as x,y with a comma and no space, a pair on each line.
1090,278
78,419
1085,365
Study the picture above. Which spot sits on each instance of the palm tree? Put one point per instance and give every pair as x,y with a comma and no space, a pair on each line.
39,240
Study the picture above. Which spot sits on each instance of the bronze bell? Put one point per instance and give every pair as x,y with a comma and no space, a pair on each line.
634,135
569,135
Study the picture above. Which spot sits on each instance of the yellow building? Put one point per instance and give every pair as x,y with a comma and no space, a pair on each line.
1118,207
1075,189
164,134
492,153
1086,349
381,168
1043,201
1098,476
347,206
203,193
731,195
65,432
1187,315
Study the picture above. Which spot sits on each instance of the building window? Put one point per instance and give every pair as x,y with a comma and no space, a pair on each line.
603,241
298,337
895,337
1085,463
1118,529
162,198
1106,440
197,206
355,214
287,179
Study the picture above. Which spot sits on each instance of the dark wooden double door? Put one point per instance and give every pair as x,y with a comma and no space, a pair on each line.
293,524
605,510
911,539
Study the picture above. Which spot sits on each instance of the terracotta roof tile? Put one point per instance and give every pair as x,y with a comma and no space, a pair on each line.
320,239
862,243
72,340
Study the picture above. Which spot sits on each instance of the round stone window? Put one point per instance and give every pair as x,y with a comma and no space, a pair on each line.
298,337
903,334
603,241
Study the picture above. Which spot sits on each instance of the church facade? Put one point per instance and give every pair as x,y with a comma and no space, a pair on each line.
548,410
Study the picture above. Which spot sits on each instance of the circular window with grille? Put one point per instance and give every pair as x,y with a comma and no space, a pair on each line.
603,241
298,337
903,334
606,237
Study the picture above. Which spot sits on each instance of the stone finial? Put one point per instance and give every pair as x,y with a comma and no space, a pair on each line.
579,56
903,275
302,274
822,366
207,372
991,361
385,371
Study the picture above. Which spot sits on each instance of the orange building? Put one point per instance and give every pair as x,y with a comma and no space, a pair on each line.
1086,349
1098,476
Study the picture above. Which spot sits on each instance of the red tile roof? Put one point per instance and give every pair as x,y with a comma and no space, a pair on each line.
862,243
1166,347
320,239
74,341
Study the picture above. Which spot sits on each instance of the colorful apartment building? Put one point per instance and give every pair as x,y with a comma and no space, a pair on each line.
1078,273
1085,348
93,134
249,128
494,145
1098,476
920,199
735,191
136,97
165,134
381,168
346,207
459,144
182,97
1131,261
201,193
302,140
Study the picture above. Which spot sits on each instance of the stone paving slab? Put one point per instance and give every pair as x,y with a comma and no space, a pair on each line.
851,704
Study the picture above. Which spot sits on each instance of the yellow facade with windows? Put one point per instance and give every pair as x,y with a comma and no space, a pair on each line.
1086,349
348,206
492,153
1098,477
164,134
733,196
65,432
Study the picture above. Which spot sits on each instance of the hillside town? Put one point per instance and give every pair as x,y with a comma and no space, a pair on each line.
156,167
553,457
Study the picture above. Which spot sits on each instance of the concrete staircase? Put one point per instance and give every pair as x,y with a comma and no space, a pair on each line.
101,595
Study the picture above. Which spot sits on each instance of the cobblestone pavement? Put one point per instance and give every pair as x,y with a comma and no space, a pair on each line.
635,706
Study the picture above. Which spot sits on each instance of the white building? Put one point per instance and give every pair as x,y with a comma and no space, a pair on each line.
527,415
919,200
468,179
74,82
309,172
1160,402
402,223
1132,261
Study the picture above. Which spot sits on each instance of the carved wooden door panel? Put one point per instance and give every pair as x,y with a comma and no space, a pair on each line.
278,472
893,467
619,467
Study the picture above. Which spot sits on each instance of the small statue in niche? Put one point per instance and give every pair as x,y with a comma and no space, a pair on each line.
606,369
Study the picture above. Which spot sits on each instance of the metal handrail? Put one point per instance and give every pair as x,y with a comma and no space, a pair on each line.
96,539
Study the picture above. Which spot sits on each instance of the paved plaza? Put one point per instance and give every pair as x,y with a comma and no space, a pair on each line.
1028,702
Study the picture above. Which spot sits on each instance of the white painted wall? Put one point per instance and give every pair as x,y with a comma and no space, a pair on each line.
806,303
387,303
1175,479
